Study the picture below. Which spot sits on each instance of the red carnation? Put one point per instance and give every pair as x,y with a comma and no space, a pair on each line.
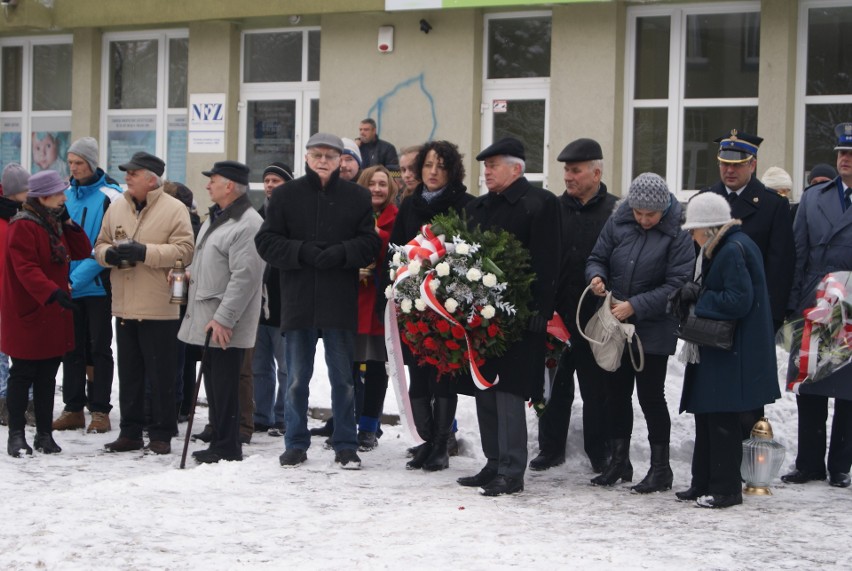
431,360
452,345
430,343
493,330
422,327
475,321
458,331
454,366
442,325
411,328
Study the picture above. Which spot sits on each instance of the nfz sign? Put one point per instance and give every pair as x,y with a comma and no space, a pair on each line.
207,112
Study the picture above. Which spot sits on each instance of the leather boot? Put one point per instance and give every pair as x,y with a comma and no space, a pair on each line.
45,443
619,467
445,412
659,477
18,444
421,409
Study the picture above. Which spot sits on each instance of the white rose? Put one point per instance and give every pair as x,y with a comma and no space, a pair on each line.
405,305
487,312
434,285
392,274
414,267
443,269
451,305
397,259
474,275
462,249
388,292
419,304
489,280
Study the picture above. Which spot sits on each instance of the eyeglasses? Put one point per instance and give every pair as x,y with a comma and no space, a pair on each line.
330,157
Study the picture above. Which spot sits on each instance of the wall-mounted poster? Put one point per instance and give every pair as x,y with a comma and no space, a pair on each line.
176,153
50,139
10,141
206,123
128,134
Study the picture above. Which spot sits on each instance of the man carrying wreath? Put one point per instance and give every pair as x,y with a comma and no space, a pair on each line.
532,215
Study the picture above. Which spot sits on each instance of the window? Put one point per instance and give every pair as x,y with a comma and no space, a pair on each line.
35,102
145,78
692,76
825,84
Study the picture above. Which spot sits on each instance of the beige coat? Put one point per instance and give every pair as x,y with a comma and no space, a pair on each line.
142,292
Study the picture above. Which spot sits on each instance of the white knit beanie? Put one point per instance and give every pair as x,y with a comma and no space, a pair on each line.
707,210
777,178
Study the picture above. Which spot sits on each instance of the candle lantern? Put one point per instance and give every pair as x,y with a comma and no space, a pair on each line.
762,459
178,283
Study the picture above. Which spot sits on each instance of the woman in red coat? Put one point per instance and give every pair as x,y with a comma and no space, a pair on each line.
370,356
37,326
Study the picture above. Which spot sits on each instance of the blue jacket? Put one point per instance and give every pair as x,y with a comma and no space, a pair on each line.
86,205
734,287
644,267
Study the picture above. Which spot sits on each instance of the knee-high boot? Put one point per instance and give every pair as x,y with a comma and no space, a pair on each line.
421,409
659,477
619,467
445,412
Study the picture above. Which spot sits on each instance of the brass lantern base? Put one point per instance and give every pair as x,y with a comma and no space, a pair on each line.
757,491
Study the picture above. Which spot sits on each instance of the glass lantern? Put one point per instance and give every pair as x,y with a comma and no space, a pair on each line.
762,459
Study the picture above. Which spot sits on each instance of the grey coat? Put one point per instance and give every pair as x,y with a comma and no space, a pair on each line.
226,277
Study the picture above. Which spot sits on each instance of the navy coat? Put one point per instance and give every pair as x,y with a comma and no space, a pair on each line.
766,219
644,267
734,287
823,233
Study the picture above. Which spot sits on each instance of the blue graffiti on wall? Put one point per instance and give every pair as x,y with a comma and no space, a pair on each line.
378,107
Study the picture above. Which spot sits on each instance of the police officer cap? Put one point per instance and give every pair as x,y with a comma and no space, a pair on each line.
737,147
231,170
844,137
505,146
580,151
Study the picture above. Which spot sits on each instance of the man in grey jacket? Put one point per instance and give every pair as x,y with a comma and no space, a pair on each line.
224,300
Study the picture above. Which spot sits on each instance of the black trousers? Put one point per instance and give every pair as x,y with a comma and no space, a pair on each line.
221,370
554,422
718,453
650,385
41,376
147,348
375,388
92,345
503,431
813,414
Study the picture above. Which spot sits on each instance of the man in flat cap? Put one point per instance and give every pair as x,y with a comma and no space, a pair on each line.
158,233
586,205
318,231
823,230
224,300
532,215
766,219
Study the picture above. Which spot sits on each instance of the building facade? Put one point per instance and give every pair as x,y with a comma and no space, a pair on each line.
196,81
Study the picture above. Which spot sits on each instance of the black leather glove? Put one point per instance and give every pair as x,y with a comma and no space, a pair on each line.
689,292
111,256
63,215
332,257
132,251
61,297
682,298
308,253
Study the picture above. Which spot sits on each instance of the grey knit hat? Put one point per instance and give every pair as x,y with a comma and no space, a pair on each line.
649,191
15,179
87,148
707,210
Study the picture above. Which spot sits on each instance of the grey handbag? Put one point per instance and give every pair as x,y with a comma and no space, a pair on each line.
608,336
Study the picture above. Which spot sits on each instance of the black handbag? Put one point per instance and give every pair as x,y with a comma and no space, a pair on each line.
715,333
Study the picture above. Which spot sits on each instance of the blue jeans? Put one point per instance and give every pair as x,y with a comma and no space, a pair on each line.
269,352
4,374
339,354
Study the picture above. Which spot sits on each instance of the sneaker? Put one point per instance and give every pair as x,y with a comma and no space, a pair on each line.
367,441
348,459
276,431
100,423
292,457
69,420
260,427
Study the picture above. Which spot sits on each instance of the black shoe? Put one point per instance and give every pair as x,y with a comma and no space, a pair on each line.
546,461
838,479
599,464
659,477
420,457
325,430
260,427
799,477
690,495
210,457
411,452
18,444
292,457
718,501
45,443
619,467
367,440
124,444
348,459
205,435
485,476
502,485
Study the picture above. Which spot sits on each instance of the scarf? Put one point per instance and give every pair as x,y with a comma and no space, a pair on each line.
689,352
47,218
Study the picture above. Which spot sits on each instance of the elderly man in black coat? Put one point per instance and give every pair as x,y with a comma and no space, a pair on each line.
318,231
765,215
532,215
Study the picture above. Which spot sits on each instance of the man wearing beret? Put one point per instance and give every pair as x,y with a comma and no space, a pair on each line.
319,230
224,301
823,231
586,206
159,234
766,219
532,215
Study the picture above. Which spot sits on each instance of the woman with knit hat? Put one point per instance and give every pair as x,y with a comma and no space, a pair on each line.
642,256
37,326
729,284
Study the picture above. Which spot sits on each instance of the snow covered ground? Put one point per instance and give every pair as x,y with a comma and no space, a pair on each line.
84,509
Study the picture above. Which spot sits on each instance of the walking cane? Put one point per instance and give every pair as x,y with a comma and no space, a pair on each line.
195,399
